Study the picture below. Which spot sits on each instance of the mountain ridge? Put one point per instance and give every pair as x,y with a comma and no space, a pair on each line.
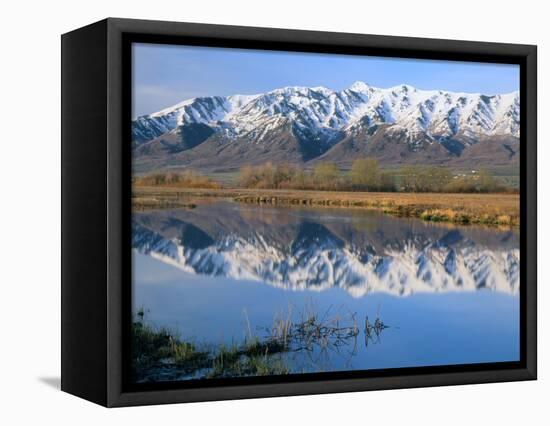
310,122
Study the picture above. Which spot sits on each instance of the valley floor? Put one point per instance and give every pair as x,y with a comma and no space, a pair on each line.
488,209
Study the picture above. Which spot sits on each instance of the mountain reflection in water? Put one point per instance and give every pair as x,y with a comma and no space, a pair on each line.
297,290
360,252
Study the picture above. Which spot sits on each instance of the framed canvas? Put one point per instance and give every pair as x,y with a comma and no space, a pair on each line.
254,212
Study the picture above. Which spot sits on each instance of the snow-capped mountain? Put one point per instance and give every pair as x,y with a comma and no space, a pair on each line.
312,122
312,257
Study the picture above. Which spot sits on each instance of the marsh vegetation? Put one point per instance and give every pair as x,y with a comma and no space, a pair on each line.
463,209
159,354
184,179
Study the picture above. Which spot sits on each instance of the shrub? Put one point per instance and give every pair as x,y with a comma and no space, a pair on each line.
185,179
481,182
269,176
326,175
366,175
425,178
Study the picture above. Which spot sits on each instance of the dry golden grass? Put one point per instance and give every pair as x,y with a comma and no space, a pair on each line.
492,209
186,179
151,202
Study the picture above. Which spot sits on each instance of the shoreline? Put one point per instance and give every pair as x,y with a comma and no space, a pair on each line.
484,209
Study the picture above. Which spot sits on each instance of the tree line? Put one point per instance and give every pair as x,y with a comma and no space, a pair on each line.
185,179
367,175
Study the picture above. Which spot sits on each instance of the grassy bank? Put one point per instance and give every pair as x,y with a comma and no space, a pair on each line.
159,354
487,209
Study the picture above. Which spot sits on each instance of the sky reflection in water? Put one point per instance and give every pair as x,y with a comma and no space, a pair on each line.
450,295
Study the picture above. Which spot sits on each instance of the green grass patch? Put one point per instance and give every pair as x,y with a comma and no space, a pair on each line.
156,351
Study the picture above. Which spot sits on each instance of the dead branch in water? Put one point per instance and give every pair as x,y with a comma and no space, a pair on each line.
323,332
374,330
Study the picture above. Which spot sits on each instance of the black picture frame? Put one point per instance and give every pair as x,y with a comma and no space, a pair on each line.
96,209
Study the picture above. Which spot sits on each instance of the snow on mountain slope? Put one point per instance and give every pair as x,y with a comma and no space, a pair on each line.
206,110
323,111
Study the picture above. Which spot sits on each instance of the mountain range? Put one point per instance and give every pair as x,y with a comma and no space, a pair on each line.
302,125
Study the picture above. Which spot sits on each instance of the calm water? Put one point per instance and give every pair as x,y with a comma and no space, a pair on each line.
224,271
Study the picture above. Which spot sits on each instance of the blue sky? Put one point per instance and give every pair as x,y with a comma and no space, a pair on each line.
165,75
